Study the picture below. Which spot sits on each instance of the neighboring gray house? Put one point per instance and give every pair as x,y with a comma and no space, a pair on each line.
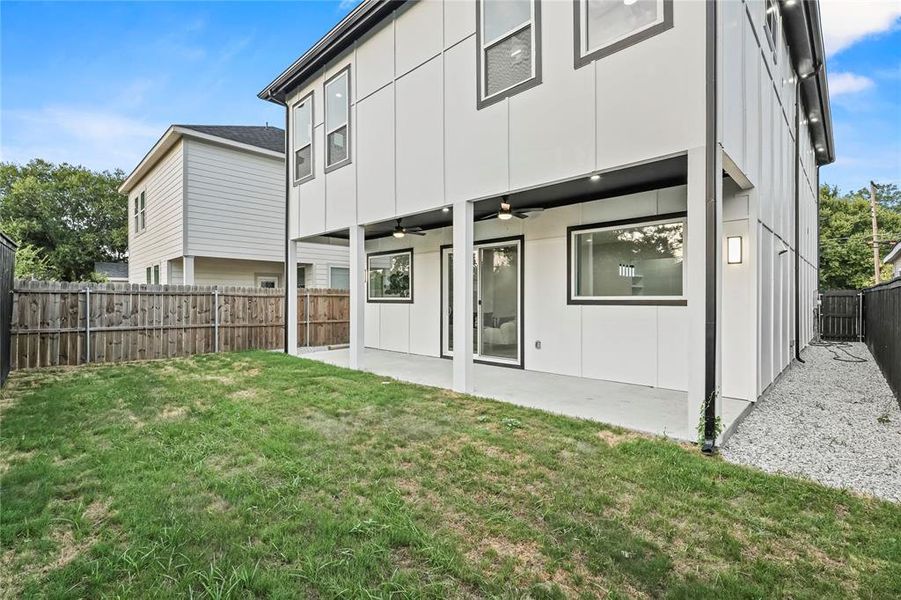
206,207
634,181
115,272
894,258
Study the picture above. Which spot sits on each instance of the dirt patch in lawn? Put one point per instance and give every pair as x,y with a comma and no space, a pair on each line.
172,413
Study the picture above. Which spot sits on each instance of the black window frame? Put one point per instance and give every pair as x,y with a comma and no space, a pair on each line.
384,300
483,101
771,29
571,298
299,180
589,56
325,132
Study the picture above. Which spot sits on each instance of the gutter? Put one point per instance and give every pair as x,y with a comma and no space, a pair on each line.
712,173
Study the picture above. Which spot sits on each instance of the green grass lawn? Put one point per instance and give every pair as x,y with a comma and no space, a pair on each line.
257,474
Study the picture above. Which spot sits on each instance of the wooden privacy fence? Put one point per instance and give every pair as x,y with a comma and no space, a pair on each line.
57,324
72,323
840,315
323,317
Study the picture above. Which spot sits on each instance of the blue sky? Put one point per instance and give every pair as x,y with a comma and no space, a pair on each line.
98,83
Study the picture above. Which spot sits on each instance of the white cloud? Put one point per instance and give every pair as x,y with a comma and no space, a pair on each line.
848,83
91,137
846,22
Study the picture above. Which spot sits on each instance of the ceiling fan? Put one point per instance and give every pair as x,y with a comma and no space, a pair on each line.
400,231
508,212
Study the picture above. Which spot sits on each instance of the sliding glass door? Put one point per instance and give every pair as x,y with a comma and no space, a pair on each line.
497,301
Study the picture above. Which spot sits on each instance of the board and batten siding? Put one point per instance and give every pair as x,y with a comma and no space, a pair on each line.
162,237
235,203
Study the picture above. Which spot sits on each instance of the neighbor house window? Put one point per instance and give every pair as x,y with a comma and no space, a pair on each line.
149,276
156,274
339,278
337,120
628,261
301,277
140,221
606,26
509,58
303,139
391,276
770,25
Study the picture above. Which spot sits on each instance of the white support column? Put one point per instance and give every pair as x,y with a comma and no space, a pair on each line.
696,284
188,270
463,274
290,280
357,295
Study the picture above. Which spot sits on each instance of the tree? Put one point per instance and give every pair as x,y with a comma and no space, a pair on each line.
71,215
32,264
846,251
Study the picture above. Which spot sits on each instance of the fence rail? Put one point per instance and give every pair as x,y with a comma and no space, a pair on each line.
56,324
882,330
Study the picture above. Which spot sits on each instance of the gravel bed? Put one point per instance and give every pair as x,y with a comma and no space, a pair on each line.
832,421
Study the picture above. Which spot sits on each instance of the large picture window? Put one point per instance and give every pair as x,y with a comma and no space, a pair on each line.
628,262
390,276
607,26
303,139
337,120
509,57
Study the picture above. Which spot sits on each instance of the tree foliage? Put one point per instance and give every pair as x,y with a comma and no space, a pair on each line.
68,216
846,251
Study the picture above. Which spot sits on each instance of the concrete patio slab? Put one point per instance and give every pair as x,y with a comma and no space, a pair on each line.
651,410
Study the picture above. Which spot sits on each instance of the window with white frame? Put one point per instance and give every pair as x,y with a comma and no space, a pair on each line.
508,53
148,277
337,120
390,276
339,278
156,274
139,214
628,260
303,139
606,26
301,276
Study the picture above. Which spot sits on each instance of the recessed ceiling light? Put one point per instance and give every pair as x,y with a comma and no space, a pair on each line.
595,177
446,209
814,119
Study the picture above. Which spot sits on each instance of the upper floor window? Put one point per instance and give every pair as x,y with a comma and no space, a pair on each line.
337,120
303,139
771,25
607,26
509,57
140,219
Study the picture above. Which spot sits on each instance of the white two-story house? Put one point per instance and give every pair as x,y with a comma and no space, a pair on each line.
633,183
206,207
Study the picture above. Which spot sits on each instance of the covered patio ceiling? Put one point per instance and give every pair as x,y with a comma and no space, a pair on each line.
629,180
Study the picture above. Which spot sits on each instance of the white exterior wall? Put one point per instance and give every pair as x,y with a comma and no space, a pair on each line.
235,203
161,240
644,345
757,104
418,142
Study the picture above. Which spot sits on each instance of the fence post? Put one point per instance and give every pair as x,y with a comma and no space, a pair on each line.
215,319
306,314
87,325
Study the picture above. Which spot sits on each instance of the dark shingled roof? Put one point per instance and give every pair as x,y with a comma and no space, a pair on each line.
270,138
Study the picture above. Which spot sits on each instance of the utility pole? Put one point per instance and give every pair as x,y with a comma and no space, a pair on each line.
877,266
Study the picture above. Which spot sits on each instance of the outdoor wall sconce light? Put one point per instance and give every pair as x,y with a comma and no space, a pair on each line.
733,250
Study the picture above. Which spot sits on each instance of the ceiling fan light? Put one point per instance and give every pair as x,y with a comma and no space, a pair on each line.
503,216
398,233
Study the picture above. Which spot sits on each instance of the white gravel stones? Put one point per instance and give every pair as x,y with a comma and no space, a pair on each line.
832,421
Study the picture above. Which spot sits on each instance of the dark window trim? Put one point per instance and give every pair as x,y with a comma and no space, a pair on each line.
294,148
482,102
522,300
580,60
625,301
371,300
770,33
329,168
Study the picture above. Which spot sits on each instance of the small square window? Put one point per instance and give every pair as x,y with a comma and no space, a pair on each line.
390,276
